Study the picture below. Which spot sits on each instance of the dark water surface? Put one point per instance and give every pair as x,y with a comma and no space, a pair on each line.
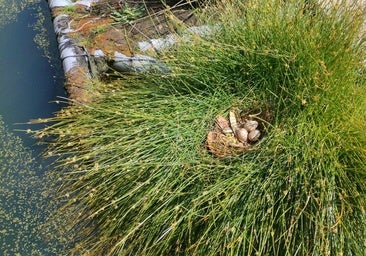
30,78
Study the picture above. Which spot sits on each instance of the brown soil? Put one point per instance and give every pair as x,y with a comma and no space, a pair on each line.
95,29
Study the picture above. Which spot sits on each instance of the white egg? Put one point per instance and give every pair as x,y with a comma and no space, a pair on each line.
242,135
250,125
254,135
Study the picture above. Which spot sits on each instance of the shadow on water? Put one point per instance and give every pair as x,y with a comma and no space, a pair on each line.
30,78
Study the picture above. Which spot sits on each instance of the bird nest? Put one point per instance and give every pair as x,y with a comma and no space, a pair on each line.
237,133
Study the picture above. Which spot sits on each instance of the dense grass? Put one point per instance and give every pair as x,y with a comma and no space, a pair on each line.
139,181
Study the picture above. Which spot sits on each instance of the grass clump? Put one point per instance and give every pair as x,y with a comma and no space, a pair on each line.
138,179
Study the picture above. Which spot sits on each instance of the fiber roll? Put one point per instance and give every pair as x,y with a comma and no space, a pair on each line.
62,3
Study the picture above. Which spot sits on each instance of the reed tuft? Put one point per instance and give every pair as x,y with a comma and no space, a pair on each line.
138,179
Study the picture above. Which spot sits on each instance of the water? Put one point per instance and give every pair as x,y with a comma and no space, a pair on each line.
30,78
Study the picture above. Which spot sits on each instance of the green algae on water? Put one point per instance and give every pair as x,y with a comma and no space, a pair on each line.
23,201
9,12
11,8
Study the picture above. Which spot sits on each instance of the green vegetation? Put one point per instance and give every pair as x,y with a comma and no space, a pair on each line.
127,13
137,178
100,29
69,9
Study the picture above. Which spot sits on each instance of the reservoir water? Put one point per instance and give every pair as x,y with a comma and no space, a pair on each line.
30,79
